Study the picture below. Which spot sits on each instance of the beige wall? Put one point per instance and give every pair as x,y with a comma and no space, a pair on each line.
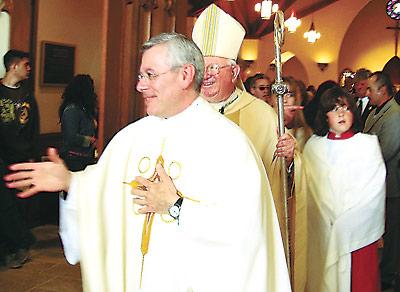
332,22
75,23
353,32
373,48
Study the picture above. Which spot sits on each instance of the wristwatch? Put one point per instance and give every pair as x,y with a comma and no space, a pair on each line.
175,209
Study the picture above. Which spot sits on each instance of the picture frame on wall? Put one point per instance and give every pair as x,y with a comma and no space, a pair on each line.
57,64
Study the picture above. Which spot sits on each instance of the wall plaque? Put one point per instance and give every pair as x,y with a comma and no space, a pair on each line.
57,64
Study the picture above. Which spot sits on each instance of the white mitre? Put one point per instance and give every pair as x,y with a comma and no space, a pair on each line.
218,34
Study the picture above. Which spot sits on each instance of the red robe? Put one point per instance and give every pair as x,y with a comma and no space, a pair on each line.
364,261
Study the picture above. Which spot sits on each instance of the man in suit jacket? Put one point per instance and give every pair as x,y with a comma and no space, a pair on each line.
360,89
384,121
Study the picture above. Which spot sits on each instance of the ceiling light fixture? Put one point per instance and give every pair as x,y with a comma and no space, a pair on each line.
266,8
292,23
312,35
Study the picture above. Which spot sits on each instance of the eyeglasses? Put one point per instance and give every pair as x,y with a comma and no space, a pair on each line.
289,94
338,109
263,87
214,69
150,76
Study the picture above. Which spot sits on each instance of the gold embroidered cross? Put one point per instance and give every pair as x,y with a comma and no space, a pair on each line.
148,220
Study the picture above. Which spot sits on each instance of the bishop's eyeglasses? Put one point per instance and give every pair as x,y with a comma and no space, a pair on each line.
215,69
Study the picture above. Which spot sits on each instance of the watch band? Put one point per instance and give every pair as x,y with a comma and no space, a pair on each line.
174,210
179,202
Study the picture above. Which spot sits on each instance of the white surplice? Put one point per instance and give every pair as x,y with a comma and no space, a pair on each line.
346,203
228,236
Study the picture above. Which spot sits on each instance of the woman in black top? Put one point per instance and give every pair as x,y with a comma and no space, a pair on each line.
78,117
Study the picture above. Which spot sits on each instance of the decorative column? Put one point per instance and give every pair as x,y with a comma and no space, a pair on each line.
169,8
148,7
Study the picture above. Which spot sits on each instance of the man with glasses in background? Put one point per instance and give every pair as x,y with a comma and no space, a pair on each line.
260,86
182,230
219,37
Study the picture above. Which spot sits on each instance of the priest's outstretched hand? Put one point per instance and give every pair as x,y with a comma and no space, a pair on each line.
156,196
34,177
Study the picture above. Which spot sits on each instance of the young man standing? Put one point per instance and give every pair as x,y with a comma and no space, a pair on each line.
19,132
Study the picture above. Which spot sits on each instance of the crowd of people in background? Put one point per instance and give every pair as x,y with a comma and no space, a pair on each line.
367,103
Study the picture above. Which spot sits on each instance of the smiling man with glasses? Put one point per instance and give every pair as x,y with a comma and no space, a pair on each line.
163,210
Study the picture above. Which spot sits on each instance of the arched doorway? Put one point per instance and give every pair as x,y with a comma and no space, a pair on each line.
295,68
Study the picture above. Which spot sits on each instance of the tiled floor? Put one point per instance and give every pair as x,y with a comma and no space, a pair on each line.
47,269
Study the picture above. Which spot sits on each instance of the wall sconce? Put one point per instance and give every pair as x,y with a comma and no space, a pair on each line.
249,50
322,66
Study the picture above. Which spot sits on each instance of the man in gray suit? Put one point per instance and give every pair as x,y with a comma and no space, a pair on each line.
384,121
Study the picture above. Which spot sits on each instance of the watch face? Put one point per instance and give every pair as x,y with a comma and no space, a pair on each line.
393,9
174,211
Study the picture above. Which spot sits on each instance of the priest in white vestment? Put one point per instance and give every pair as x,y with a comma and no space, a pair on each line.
179,201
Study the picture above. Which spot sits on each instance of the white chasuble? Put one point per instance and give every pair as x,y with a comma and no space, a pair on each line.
228,236
346,203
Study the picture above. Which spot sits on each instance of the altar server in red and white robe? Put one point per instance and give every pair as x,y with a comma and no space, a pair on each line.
346,199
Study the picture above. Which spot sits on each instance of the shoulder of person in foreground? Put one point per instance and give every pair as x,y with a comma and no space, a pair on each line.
136,128
218,125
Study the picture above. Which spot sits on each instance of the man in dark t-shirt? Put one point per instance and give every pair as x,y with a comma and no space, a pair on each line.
19,137
18,124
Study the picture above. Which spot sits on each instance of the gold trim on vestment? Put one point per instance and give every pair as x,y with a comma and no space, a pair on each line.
174,172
